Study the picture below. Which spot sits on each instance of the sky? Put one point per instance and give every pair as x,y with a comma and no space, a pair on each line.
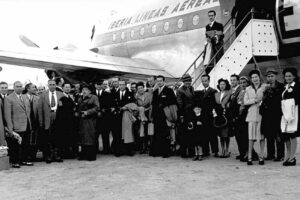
51,23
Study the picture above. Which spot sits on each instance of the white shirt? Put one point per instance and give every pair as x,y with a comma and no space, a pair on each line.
161,89
221,96
99,92
212,23
30,97
122,93
205,89
55,98
20,97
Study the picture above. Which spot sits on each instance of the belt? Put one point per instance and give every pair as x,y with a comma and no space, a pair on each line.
53,110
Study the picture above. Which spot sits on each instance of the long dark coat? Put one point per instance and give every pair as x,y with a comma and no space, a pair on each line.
65,121
160,146
87,125
270,110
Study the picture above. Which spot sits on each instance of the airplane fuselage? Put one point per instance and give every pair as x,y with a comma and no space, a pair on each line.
172,34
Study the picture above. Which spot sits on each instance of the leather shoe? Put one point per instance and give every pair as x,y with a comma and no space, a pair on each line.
15,165
196,158
48,160
27,163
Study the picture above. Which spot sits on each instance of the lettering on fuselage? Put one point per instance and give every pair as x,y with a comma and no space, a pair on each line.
288,14
168,10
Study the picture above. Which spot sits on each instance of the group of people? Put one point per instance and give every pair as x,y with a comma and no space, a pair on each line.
66,121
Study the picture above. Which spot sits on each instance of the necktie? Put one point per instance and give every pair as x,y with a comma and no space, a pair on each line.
52,100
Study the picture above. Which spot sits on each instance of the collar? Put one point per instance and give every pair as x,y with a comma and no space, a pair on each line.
54,92
161,88
235,88
18,95
212,23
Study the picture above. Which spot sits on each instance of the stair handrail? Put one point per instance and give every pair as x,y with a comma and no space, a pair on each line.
232,34
194,62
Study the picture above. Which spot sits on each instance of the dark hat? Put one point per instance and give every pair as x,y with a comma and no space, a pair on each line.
186,78
271,70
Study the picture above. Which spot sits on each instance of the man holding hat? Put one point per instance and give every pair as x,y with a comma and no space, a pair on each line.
185,99
271,115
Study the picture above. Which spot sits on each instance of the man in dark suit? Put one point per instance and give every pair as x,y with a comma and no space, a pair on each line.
31,95
162,98
17,117
233,116
185,99
104,114
271,116
47,107
214,35
207,99
122,97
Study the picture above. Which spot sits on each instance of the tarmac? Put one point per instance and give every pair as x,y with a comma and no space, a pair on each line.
146,178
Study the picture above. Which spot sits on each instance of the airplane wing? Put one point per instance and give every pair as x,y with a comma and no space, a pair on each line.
81,65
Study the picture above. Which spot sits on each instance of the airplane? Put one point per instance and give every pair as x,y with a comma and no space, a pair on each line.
163,39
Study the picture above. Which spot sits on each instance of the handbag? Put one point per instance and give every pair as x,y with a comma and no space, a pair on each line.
220,121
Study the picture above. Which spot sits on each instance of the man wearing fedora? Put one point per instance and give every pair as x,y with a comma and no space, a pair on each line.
185,100
271,115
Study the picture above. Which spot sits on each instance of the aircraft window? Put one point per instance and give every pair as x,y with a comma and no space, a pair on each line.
132,33
154,29
114,37
166,26
142,31
196,20
123,35
180,23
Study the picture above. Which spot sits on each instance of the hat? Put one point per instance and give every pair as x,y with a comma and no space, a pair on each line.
271,70
244,78
186,78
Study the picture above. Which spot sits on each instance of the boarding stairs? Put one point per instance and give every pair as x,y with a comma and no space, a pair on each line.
258,38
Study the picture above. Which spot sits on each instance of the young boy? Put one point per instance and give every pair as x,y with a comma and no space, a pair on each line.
197,125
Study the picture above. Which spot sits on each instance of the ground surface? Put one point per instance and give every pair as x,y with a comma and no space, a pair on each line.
142,177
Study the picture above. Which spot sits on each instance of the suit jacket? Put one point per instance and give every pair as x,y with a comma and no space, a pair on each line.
216,27
233,105
105,100
207,99
2,104
127,98
2,132
44,108
35,103
161,100
249,99
17,113
185,100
